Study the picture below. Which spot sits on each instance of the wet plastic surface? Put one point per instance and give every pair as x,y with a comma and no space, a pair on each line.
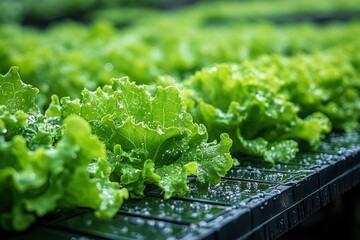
172,209
257,175
253,201
122,227
43,233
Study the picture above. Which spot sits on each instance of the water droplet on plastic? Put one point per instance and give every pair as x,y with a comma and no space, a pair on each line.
275,191
151,223
124,230
161,224
193,226
168,230
203,224
194,214
139,221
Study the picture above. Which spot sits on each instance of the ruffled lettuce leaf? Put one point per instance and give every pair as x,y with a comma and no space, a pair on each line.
38,182
150,138
19,114
330,86
47,163
16,100
244,102
16,95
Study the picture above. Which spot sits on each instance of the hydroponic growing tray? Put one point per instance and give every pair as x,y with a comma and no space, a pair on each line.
253,201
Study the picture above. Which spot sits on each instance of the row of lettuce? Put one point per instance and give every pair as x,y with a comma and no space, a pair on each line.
95,151
109,144
58,64
198,97
47,11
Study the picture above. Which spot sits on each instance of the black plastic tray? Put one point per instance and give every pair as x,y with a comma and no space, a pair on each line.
253,201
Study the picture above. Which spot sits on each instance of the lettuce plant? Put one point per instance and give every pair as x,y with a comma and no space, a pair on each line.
244,102
47,164
149,137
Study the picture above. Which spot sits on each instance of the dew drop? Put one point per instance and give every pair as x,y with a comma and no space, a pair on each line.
108,67
159,131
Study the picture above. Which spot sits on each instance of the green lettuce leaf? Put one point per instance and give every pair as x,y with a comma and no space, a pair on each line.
48,163
150,138
16,101
58,64
16,95
44,180
330,86
245,103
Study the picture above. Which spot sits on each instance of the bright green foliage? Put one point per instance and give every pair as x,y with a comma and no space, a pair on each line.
150,138
243,102
16,102
331,86
128,11
45,164
15,95
57,64
291,83
11,124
